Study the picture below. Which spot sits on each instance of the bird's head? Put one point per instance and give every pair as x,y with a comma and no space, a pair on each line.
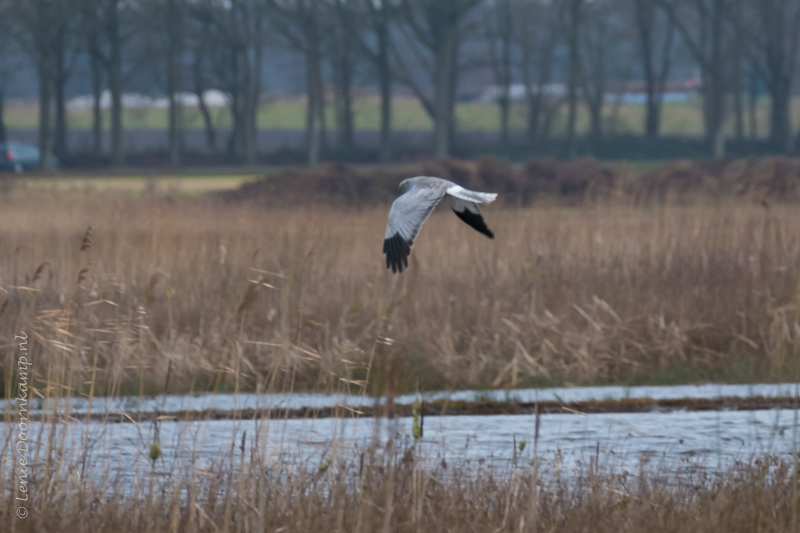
408,183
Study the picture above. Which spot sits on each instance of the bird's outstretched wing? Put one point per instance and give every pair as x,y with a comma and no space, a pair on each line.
465,205
409,211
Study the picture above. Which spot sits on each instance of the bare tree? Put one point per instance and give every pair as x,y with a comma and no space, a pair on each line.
36,26
752,99
114,36
771,29
165,41
736,88
201,44
343,37
173,19
102,24
234,31
65,45
655,46
499,30
537,36
432,37
594,43
573,19
91,28
703,25
6,64
377,49
298,21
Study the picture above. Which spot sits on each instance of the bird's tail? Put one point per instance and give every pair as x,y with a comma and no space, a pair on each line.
461,193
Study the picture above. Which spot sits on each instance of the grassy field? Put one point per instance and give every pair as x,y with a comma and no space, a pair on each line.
683,118
173,284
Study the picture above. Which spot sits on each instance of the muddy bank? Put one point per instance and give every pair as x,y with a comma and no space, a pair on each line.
449,408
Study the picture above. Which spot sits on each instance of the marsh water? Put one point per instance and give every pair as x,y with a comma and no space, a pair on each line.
566,442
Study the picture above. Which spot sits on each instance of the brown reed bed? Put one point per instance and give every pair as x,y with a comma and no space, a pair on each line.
169,295
177,294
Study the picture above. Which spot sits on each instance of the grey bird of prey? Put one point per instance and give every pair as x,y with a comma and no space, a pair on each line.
410,210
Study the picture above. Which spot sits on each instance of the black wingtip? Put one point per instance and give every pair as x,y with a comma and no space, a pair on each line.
397,250
476,221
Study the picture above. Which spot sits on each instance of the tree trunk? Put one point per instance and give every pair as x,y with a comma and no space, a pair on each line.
315,117
313,138
534,92
174,111
708,50
780,126
737,91
211,134
451,102
596,121
43,47
45,128
573,33
593,74
443,95
255,93
199,90
235,135
653,118
550,111
717,81
174,127
2,115
712,103
752,102
248,110
115,85
173,25
321,106
343,75
655,79
505,33
645,20
60,147
345,112
97,113
385,82
505,99
532,98
59,81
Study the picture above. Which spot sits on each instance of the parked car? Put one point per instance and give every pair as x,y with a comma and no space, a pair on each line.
20,156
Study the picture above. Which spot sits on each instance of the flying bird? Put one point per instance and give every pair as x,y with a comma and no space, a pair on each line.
410,210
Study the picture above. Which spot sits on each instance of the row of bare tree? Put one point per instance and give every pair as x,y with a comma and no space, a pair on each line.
426,46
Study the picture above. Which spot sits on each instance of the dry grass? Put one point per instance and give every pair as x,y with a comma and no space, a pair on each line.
213,296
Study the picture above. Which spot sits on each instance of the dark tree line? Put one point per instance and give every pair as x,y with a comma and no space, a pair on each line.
426,46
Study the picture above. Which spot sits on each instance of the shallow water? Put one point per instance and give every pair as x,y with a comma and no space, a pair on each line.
618,442
117,453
